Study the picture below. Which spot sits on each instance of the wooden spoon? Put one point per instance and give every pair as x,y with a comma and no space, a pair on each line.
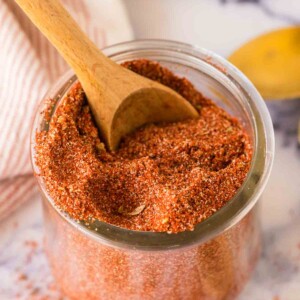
272,62
120,100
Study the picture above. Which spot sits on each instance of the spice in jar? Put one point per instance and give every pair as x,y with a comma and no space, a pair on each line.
165,177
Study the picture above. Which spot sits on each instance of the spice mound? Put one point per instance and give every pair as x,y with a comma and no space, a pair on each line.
164,177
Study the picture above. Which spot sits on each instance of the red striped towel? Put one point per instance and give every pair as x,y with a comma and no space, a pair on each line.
28,66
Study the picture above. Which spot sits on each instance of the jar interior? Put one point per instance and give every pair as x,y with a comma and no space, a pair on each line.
216,84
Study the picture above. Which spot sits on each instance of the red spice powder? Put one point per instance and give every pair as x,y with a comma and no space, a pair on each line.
29,285
84,268
164,177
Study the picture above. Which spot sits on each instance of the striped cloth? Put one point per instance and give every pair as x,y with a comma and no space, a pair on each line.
28,66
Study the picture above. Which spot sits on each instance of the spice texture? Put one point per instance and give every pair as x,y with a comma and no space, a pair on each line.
85,268
164,177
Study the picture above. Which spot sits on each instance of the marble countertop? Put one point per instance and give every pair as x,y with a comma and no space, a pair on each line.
24,273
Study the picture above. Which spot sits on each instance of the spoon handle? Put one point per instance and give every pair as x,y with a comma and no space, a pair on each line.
96,73
51,18
120,100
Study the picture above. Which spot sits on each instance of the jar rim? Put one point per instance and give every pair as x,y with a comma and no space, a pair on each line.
229,214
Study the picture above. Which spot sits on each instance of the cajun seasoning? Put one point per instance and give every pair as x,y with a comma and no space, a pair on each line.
86,268
164,177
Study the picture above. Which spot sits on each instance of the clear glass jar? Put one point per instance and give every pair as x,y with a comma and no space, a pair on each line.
215,260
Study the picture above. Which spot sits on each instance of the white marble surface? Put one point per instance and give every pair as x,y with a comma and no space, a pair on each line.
24,273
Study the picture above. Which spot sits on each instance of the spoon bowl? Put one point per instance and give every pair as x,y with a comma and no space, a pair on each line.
120,100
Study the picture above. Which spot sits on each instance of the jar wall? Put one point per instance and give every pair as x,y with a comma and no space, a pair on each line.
86,269
212,262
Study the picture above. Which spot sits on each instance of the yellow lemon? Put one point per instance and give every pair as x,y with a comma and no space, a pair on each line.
272,62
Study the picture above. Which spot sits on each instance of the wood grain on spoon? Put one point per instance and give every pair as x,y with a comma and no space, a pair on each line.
121,100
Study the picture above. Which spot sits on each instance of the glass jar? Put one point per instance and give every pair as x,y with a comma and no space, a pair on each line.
102,261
